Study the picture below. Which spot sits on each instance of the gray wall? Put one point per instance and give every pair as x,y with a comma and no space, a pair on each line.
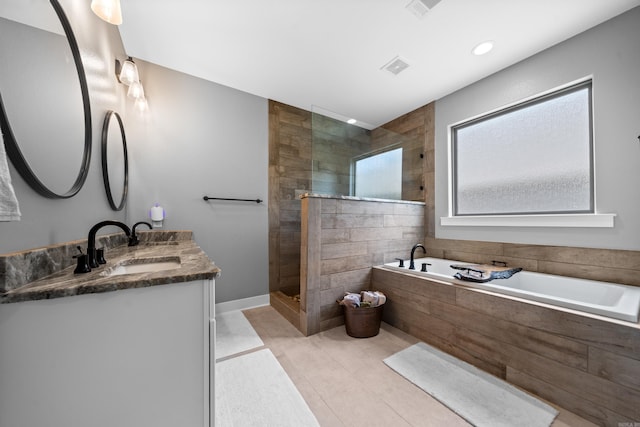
198,138
47,221
609,53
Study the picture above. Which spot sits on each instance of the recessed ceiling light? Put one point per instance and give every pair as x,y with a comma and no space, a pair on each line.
352,121
483,48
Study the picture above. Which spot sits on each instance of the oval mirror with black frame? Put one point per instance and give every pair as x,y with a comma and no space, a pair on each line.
45,114
115,160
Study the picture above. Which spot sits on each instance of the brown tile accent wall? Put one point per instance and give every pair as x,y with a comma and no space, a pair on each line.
289,177
618,266
586,365
417,127
341,240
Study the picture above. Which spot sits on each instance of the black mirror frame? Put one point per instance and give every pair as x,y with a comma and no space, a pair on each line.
12,148
105,163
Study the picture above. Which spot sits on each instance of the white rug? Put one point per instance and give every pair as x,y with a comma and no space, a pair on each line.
479,398
254,390
234,334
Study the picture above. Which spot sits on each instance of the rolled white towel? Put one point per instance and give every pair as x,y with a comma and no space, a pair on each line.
375,298
9,208
352,300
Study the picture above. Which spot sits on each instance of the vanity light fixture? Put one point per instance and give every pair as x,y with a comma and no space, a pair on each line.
482,48
135,90
108,10
141,104
128,72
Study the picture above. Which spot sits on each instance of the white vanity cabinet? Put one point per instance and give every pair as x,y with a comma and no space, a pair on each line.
129,358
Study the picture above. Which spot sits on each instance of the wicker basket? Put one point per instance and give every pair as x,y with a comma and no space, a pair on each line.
363,322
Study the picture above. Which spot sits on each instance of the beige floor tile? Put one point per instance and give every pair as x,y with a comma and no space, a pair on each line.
346,383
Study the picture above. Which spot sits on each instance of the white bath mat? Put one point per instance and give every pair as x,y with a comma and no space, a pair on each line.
479,398
234,334
254,390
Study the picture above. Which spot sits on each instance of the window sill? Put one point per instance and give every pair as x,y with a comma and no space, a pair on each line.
551,220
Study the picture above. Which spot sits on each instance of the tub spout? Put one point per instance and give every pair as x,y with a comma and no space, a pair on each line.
413,251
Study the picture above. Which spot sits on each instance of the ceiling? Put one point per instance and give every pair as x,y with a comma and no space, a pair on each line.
328,54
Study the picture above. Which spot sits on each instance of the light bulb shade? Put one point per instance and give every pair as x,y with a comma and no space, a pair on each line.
141,104
108,10
128,72
135,90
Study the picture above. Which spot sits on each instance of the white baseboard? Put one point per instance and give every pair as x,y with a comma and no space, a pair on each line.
242,304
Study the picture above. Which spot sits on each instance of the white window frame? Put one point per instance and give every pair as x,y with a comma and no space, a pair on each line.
594,219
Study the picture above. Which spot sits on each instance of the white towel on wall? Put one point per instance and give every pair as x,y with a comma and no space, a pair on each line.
9,209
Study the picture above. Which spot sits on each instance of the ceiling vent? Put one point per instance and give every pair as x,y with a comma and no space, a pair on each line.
421,7
396,65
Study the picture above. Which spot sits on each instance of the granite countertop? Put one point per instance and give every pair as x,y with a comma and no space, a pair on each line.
194,265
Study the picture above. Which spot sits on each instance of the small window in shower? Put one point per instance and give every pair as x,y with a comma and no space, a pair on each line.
378,175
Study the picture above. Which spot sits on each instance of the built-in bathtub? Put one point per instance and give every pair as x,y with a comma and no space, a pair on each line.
612,300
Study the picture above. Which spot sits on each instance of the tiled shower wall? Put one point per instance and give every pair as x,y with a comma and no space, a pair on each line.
290,176
342,238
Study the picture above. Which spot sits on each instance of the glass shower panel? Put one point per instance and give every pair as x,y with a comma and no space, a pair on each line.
334,144
341,150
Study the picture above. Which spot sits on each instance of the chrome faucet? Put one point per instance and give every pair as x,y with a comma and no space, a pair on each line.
91,240
133,239
413,251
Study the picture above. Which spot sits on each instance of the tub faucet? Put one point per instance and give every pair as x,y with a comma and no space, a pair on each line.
133,239
91,240
413,251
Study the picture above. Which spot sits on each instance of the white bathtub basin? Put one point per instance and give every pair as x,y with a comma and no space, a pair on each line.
607,299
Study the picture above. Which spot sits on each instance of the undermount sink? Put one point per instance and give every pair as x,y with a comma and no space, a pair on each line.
142,265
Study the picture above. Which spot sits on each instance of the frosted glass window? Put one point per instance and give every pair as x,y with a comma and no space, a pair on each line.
534,158
379,175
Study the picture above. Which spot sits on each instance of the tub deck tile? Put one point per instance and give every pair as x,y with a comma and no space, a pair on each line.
586,363
618,337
